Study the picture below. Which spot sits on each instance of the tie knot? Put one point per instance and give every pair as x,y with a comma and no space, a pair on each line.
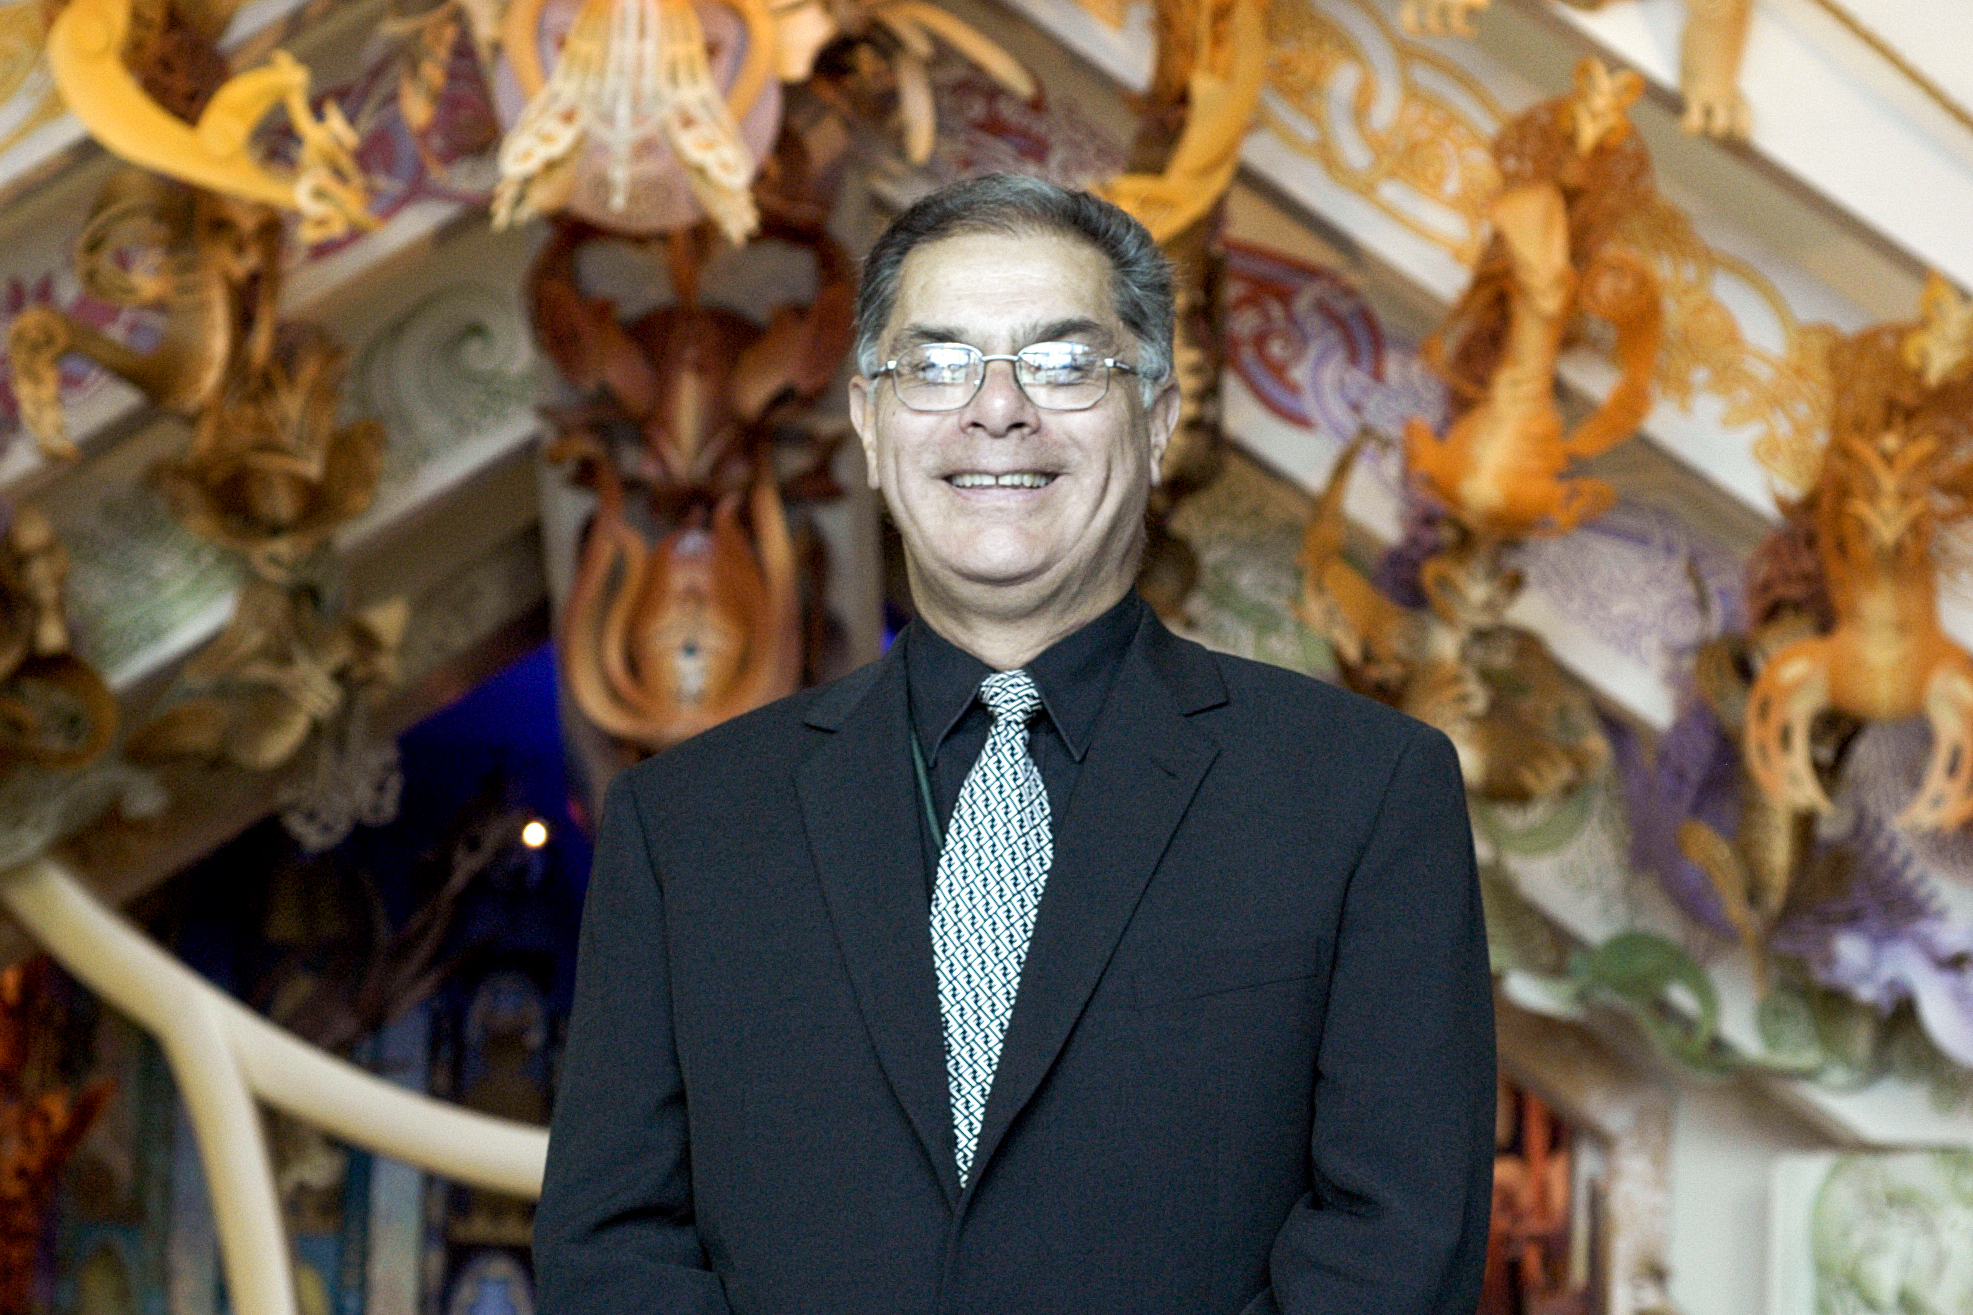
1010,694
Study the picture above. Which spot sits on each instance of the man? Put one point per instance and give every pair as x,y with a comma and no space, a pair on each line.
1051,965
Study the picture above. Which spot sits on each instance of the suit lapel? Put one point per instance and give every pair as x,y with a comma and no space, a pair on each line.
1144,765
859,804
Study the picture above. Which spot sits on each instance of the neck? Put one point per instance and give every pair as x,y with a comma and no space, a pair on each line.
1006,632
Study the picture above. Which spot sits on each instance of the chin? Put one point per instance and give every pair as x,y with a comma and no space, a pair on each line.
1000,573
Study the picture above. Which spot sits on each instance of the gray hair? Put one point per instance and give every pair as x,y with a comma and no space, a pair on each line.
1019,205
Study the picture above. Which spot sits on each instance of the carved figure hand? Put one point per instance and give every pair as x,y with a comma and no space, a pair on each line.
1940,348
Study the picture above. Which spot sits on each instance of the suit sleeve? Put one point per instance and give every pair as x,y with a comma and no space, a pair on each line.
614,1233
1401,1147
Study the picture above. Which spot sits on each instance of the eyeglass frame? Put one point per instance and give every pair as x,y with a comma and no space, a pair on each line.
1109,363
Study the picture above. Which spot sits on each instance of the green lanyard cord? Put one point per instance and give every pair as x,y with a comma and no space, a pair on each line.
925,795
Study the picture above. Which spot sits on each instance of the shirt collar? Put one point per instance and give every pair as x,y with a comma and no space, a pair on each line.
1073,677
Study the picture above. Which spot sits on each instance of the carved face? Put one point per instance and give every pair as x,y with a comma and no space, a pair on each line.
702,598
1067,524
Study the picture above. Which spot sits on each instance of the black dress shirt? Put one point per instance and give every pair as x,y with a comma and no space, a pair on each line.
1073,677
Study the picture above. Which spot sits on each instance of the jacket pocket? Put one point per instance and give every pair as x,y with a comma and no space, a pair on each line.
1223,968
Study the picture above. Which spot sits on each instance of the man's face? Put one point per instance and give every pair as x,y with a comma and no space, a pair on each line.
1070,523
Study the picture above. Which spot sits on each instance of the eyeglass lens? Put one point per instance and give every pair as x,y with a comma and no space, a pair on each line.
1056,376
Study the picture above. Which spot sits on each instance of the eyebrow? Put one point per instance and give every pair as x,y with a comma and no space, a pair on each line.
914,335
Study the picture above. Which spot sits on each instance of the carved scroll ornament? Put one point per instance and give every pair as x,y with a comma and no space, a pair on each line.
206,137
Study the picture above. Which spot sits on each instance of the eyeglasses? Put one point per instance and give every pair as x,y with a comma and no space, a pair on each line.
1056,376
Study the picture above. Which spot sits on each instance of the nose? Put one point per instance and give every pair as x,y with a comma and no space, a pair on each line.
1000,409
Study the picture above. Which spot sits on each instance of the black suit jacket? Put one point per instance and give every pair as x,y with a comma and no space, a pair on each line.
1250,1067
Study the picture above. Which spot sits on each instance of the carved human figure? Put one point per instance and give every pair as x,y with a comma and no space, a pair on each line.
1897,467
1523,730
1569,165
280,669
207,262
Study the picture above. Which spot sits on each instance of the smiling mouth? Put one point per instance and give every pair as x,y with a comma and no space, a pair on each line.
1017,479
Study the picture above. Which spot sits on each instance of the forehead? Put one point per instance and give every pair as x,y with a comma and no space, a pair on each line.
993,286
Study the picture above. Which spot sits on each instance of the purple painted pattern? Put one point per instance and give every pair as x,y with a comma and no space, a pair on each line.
1308,345
1696,774
1886,939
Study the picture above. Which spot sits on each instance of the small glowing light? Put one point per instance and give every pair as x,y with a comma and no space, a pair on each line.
535,834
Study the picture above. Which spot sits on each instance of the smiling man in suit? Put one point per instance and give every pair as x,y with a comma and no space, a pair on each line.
1052,964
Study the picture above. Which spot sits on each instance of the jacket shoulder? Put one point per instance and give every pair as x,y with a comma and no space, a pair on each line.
1297,724
1262,689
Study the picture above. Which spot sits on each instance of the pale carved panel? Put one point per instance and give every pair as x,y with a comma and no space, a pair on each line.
1869,1232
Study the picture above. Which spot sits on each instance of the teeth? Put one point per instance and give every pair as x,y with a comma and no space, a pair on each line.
1020,479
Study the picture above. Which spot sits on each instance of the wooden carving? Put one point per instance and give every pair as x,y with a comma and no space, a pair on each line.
270,470
1572,166
1523,730
660,640
373,972
1897,468
1223,78
201,130
882,55
209,263
1205,88
55,711
1754,872
631,92
281,668
1710,54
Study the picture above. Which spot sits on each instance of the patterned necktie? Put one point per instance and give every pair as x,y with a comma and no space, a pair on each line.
991,869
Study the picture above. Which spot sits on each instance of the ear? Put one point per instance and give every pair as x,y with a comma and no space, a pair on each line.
1161,417
863,419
